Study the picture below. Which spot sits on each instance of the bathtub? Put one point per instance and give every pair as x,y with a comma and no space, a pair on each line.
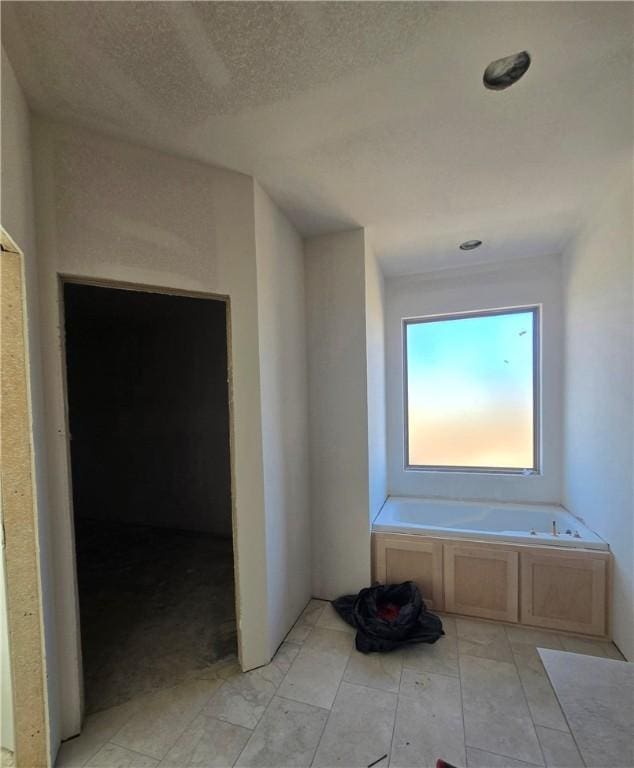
515,523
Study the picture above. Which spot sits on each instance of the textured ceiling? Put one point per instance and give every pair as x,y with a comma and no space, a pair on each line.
351,113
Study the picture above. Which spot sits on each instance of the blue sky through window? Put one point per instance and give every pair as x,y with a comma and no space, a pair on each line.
470,391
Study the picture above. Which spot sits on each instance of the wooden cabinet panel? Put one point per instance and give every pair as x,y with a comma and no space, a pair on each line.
481,581
551,587
403,558
566,592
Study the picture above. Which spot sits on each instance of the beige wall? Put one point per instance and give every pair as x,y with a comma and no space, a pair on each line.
338,416
108,209
599,409
7,735
17,218
284,393
19,520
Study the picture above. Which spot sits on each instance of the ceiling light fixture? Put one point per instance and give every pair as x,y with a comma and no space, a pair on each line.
469,245
502,73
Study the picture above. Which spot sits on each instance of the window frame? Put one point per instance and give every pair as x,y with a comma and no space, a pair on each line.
535,310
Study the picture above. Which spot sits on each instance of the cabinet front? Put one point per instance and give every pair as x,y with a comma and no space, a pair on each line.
481,581
402,558
564,592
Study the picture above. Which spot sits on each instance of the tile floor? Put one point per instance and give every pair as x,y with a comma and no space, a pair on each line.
479,698
597,697
156,605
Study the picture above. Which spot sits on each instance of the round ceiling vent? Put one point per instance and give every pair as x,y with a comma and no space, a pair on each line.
469,245
502,73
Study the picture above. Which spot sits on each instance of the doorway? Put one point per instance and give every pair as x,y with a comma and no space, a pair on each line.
148,410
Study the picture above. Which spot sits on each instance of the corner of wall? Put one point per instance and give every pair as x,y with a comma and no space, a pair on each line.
284,395
375,380
338,411
598,286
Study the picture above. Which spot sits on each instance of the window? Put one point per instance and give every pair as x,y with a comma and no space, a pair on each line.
471,391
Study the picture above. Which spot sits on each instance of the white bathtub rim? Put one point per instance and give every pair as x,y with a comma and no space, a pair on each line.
561,540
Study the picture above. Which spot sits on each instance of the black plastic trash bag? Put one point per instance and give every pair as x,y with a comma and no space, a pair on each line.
388,617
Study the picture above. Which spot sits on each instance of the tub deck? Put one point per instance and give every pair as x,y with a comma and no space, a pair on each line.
525,523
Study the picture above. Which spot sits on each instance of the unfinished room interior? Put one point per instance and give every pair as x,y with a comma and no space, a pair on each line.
317,384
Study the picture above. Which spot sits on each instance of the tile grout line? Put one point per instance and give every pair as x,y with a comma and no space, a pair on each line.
330,710
428,672
253,730
550,685
538,725
134,751
321,736
152,694
101,743
398,703
574,741
277,688
88,759
369,689
496,754
464,729
514,665
297,701
569,732
525,697
323,730
187,725
312,627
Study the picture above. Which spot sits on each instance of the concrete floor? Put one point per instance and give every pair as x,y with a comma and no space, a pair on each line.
479,697
157,606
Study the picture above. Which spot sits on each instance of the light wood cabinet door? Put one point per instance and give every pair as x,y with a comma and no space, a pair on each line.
481,581
566,592
401,558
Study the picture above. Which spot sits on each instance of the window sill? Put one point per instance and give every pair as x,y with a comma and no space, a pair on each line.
477,471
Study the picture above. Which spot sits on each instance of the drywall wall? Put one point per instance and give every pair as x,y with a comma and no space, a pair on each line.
148,408
17,218
111,210
375,363
19,520
520,283
284,394
7,735
338,418
599,406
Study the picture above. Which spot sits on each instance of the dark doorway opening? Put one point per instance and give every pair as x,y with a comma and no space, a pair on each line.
148,398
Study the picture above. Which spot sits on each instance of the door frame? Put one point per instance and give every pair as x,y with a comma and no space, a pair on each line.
20,533
64,279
